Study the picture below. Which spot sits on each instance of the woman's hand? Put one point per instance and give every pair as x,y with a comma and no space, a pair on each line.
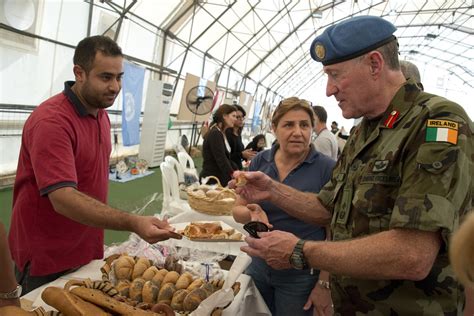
257,214
248,154
320,298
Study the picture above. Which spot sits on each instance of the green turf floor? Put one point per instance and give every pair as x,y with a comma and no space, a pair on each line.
129,196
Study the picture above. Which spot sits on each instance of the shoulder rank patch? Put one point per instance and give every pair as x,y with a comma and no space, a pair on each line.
442,131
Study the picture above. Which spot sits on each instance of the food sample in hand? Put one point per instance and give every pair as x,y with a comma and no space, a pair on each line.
240,181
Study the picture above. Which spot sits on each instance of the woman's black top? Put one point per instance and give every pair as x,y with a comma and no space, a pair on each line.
236,147
216,158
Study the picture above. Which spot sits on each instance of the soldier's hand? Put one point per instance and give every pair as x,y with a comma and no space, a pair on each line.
274,247
256,188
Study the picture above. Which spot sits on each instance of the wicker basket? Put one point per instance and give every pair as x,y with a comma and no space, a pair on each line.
220,204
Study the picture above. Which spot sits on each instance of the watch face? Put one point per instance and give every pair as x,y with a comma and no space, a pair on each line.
296,261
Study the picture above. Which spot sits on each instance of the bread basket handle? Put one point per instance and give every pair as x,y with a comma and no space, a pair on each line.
219,185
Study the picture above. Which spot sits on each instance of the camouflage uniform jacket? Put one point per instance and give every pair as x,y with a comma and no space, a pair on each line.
394,175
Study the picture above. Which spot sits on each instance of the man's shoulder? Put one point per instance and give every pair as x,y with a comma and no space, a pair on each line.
440,106
49,108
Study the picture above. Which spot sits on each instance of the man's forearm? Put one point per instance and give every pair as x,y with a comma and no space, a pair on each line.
89,211
394,254
8,282
303,205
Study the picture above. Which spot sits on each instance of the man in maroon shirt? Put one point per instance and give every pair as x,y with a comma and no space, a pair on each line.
60,191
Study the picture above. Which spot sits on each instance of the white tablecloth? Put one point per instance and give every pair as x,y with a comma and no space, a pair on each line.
248,301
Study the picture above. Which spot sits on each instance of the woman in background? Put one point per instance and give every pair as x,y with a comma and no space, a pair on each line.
234,137
293,161
258,143
216,149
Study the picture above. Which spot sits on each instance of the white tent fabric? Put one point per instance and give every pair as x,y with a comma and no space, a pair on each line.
257,47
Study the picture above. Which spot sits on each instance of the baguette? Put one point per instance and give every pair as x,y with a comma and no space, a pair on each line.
100,299
69,304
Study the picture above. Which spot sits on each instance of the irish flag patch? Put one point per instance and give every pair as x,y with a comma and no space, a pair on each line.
442,131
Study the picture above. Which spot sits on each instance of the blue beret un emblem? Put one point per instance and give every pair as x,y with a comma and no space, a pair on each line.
320,51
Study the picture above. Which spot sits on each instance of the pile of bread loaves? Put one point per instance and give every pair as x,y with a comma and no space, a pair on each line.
141,282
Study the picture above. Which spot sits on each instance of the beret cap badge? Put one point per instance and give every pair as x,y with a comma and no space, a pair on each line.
320,51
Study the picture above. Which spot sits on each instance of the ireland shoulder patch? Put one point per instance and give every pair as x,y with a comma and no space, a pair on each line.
442,131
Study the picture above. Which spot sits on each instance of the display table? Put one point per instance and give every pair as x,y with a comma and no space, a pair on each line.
248,301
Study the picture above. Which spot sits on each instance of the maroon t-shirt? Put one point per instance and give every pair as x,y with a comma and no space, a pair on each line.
62,146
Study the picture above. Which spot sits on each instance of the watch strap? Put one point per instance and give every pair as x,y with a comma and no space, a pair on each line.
11,295
297,258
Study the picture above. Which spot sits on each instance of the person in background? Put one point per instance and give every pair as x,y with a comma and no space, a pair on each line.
461,254
325,141
60,191
257,144
397,193
216,149
410,71
294,162
10,291
334,128
234,138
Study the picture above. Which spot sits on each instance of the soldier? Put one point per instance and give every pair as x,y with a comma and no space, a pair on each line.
396,194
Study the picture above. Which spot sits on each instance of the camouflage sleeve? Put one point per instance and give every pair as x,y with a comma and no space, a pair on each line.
327,195
436,174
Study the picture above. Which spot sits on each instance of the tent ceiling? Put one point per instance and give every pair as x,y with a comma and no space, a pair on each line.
268,41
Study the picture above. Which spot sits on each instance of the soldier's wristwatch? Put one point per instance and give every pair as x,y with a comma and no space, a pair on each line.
297,259
11,295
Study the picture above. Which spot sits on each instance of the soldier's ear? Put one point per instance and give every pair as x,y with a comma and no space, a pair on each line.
376,62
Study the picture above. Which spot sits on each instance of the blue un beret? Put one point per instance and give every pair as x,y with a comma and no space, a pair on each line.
351,38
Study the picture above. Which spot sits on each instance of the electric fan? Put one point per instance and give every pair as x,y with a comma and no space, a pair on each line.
199,100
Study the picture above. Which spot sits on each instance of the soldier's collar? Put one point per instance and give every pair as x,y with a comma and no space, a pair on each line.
400,104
